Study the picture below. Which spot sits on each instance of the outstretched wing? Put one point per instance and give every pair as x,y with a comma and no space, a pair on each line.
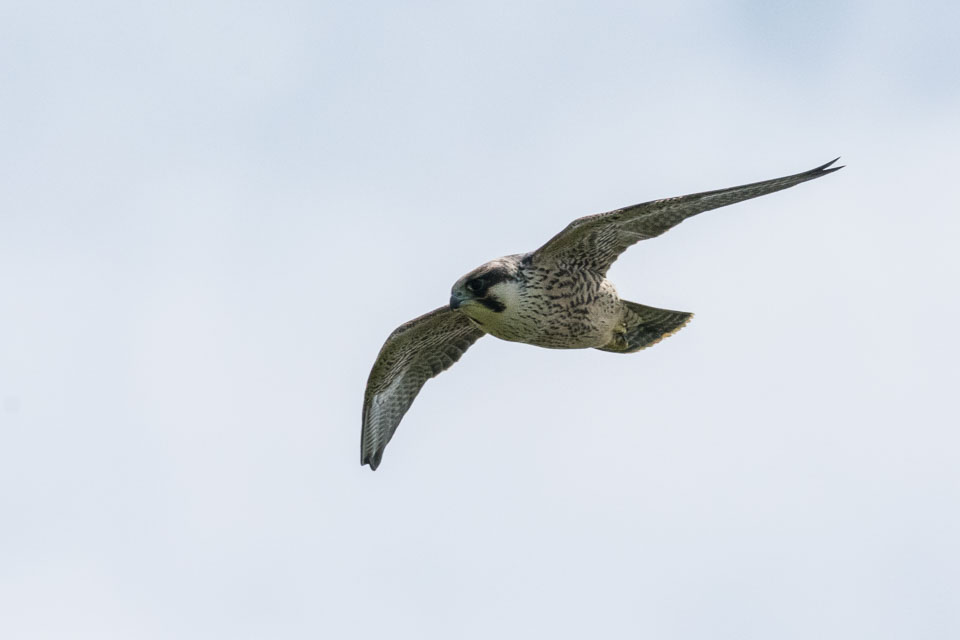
596,241
414,353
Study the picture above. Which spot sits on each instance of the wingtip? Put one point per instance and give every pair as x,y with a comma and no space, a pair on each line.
827,168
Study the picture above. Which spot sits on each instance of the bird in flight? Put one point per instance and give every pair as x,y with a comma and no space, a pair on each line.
557,297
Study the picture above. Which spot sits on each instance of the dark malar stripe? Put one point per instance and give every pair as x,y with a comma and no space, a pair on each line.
494,305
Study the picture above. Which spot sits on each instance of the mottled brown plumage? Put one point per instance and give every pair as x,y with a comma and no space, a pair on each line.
557,297
414,353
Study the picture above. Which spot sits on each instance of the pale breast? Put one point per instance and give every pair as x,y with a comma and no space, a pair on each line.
561,309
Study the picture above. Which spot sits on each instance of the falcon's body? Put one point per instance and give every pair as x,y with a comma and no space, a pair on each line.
557,297
547,305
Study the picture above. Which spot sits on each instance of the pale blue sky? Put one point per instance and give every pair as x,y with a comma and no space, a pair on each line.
212,214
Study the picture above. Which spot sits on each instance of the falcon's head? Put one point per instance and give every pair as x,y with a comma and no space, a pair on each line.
489,290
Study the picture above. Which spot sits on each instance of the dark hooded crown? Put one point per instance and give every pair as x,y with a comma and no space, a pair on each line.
478,283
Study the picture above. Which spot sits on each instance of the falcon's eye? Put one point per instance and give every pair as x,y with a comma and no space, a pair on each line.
475,285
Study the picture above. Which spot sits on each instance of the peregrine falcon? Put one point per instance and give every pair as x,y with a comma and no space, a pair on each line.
557,297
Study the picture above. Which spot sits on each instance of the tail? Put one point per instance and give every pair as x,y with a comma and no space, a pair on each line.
645,326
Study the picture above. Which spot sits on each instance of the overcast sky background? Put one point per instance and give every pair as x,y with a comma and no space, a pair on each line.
213,213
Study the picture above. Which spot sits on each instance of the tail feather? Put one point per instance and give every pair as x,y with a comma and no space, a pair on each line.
646,326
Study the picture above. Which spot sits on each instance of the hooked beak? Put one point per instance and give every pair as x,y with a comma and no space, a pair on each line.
455,301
